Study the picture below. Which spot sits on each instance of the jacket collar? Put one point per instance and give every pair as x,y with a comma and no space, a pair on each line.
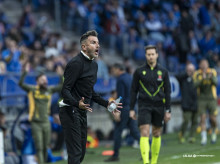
86,56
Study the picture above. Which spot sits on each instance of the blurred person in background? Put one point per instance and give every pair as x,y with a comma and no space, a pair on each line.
112,28
207,43
51,50
92,139
71,15
12,56
205,80
152,85
27,20
188,103
39,105
122,120
103,72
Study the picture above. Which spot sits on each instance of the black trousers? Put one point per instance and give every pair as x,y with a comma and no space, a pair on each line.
126,121
74,124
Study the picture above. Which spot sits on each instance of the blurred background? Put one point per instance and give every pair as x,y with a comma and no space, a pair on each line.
46,33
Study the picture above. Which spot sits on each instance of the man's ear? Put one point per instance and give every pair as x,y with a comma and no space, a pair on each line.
83,46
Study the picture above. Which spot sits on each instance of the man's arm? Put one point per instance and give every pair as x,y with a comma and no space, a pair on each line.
58,87
214,78
180,76
167,91
134,90
21,83
98,99
71,74
197,79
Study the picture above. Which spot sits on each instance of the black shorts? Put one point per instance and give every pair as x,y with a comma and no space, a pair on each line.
151,115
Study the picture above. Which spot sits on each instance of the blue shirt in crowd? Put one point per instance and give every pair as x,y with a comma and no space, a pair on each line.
14,64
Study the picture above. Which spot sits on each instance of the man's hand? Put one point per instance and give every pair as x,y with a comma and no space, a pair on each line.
204,75
133,115
167,117
56,119
118,105
210,75
116,111
84,106
117,117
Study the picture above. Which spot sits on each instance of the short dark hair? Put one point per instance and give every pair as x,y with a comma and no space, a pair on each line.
87,34
150,47
119,66
39,75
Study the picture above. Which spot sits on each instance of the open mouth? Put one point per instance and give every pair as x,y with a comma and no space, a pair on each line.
97,52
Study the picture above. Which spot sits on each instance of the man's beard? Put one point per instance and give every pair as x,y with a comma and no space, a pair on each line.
151,62
43,86
91,54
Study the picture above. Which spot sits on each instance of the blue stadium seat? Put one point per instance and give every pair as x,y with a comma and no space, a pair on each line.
104,89
173,64
192,59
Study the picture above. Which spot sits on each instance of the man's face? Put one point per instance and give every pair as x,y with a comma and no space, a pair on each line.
115,71
204,65
151,56
190,69
13,45
91,47
42,81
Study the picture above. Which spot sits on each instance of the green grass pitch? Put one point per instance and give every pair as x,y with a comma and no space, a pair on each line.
172,152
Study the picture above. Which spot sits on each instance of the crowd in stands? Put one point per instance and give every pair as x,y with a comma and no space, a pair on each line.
184,31
30,41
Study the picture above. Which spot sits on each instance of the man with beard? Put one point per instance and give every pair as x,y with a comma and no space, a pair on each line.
151,82
80,76
39,97
205,80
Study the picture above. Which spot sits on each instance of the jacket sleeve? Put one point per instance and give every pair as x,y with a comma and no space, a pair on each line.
134,90
214,78
24,86
197,79
181,77
71,74
58,87
167,91
98,99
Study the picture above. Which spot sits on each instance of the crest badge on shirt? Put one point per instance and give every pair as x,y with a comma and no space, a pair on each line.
159,73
